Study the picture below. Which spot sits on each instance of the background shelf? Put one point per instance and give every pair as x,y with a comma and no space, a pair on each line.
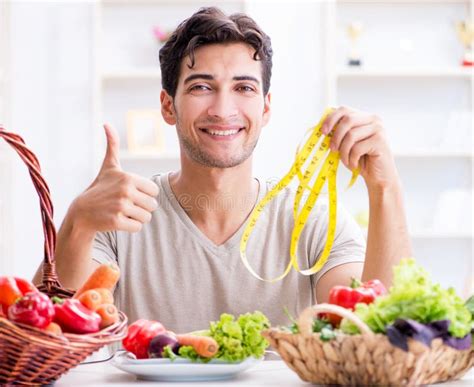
132,73
427,72
425,99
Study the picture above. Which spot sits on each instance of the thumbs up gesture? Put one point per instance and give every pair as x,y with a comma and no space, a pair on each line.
116,200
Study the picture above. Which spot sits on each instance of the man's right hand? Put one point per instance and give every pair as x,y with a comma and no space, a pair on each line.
116,200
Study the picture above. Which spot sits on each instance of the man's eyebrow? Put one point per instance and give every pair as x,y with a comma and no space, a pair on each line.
246,78
209,77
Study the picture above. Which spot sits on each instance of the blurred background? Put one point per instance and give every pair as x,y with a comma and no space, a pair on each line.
68,66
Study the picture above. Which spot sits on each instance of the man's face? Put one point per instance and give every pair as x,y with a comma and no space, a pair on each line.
219,107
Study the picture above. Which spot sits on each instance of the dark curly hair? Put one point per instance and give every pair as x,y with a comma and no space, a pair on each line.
210,25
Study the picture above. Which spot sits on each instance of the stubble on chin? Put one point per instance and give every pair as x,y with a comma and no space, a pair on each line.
204,158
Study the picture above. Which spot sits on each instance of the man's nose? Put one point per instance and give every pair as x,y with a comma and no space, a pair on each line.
223,105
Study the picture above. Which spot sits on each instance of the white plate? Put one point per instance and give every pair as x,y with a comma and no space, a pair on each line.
180,370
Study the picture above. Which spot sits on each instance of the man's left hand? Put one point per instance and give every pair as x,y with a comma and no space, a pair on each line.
360,139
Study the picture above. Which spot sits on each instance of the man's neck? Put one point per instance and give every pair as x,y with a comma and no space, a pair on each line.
217,200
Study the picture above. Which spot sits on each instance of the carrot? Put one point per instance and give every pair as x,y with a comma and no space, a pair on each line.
54,328
205,346
105,276
108,314
93,298
105,295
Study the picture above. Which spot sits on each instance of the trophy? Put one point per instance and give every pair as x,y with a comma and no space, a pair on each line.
465,32
354,30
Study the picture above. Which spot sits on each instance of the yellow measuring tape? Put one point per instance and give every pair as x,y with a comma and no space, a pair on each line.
327,172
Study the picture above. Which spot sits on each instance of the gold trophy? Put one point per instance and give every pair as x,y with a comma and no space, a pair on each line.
354,30
465,30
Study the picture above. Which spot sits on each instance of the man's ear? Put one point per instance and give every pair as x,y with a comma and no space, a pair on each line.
167,108
266,109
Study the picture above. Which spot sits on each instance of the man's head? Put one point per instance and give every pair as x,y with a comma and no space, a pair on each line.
216,73
207,26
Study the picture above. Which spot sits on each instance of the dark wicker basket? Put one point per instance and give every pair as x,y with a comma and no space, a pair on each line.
31,356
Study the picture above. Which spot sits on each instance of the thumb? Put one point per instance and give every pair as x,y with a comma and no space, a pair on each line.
111,159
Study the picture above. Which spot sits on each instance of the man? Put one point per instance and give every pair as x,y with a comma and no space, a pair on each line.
176,237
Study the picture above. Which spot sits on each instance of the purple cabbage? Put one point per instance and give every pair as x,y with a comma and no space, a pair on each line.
399,332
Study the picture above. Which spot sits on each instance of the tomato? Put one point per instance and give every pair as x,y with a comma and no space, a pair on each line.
139,336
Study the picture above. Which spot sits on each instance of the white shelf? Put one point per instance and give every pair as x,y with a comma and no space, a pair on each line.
431,154
130,156
431,234
428,72
152,2
401,1
132,73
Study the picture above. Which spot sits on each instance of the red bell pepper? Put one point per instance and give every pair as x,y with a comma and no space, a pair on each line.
74,317
139,336
35,309
25,286
348,297
13,288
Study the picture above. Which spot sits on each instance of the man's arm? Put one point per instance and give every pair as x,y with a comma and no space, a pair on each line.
361,142
388,240
116,200
74,262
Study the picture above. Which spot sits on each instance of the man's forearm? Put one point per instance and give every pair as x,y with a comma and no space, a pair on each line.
73,254
388,240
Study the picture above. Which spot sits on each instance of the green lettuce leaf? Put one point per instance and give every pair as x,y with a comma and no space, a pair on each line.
414,296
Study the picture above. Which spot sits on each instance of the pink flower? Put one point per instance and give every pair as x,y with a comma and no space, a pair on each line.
160,34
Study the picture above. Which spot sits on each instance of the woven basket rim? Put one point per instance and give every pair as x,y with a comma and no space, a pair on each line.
342,336
41,337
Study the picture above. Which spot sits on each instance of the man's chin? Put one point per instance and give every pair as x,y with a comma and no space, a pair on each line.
223,163
216,160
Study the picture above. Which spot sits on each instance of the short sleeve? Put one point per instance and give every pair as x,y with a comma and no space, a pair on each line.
104,247
349,243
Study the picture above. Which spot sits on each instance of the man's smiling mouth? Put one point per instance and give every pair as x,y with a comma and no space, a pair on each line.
221,132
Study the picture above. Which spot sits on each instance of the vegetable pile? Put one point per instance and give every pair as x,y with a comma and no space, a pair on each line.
414,307
90,310
420,302
227,339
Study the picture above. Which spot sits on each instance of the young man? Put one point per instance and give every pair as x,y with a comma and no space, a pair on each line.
176,237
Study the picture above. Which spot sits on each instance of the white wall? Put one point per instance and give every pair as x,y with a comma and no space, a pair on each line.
51,109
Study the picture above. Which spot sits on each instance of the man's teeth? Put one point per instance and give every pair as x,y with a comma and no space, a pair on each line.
222,132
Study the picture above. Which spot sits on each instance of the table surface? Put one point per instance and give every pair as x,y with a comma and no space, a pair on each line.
266,373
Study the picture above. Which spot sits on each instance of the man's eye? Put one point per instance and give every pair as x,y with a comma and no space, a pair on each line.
199,88
245,88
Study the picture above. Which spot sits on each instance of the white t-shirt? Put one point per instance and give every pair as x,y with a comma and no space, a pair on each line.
172,273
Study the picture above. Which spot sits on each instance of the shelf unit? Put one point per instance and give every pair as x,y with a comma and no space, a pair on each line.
425,72
4,70
6,153
424,84
128,76
432,154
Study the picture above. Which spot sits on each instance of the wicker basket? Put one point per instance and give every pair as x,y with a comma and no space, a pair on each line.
366,358
31,356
